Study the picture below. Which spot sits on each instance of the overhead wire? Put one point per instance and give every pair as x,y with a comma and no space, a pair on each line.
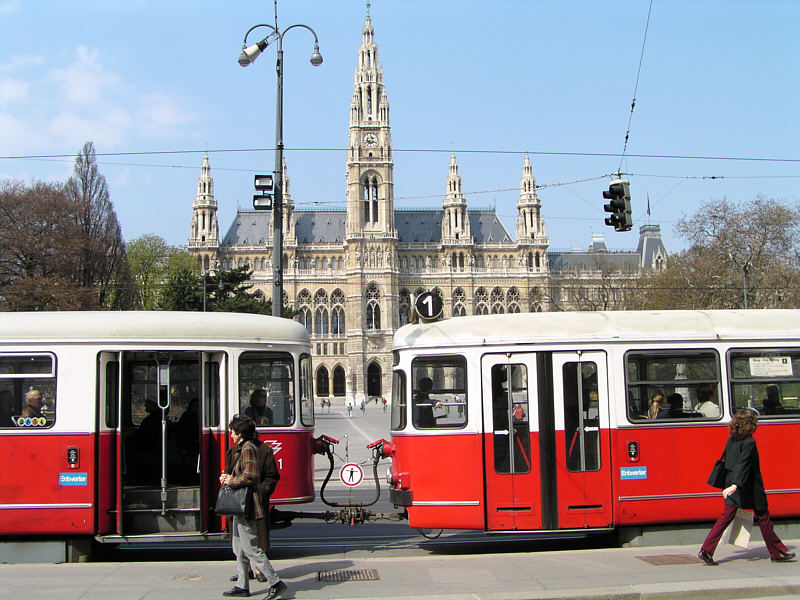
635,88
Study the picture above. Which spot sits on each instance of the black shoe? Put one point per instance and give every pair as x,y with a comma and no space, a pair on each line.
249,576
276,590
261,577
234,577
707,558
784,557
237,592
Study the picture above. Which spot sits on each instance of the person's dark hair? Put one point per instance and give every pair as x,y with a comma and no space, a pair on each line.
244,426
743,424
425,384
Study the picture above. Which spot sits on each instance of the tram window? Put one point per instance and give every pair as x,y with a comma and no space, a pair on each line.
688,382
766,380
27,390
439,392
112,394
581,416
266,388
306,391
184,385
398,400
212,403
510,427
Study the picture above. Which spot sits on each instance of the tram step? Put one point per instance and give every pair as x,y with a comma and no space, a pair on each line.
152,521
143,498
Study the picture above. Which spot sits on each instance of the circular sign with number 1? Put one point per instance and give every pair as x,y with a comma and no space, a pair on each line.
428,305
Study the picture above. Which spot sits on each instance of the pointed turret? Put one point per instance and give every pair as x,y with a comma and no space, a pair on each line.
205,231
455,223
530,226
370,191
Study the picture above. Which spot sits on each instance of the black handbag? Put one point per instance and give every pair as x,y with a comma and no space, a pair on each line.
717,477
234,502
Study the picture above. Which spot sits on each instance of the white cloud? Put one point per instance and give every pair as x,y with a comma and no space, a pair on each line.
9,7
55,110
13,91
85,81
19,62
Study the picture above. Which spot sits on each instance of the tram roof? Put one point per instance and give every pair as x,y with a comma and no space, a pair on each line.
609,326
149,325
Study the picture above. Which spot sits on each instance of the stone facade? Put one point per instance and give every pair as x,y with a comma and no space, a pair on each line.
352,274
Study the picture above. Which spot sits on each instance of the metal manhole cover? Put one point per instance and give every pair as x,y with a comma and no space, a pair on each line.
349,575
671,559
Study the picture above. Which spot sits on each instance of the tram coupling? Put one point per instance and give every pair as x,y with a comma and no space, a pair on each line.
323,443
382,448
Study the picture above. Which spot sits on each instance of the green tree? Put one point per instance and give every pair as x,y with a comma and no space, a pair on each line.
147,258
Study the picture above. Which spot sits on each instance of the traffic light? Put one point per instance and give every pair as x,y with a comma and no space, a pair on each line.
263,184
619,192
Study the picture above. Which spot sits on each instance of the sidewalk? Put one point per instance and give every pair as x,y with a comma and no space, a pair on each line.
612,573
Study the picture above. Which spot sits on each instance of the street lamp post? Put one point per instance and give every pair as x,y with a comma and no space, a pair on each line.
248,57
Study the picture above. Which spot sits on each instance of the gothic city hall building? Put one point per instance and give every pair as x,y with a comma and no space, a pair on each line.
351,274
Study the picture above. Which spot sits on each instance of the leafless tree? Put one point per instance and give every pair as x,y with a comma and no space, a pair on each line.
101,249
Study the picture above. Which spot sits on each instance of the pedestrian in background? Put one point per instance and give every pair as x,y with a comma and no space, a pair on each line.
744,488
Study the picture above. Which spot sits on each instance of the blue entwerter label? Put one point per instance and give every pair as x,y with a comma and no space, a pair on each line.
633,472
73,479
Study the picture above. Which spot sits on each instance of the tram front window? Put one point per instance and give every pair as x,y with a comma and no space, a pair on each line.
766,380
439,392
266,388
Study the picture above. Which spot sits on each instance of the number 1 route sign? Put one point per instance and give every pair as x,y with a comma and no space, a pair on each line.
351,474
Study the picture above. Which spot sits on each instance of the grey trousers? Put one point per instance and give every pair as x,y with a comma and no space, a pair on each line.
245,547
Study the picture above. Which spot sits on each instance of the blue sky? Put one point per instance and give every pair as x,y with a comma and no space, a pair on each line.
486,80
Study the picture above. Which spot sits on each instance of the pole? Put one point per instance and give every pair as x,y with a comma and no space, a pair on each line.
277,202
744,284
205,277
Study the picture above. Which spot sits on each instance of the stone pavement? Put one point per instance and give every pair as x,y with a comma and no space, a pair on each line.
664,572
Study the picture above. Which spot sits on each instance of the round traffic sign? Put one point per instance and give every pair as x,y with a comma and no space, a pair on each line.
351,474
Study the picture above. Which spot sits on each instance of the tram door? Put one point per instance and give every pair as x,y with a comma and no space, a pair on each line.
159,408
581,445
513,484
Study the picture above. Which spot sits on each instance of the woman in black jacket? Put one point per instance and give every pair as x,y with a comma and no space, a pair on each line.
744,488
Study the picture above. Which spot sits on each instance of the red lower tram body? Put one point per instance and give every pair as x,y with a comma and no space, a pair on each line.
88,485
665,482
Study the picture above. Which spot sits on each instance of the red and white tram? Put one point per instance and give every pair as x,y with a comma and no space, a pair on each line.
541,421
131,438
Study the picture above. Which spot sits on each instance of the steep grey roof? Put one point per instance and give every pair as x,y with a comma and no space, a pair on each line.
590,260
325,226
418,225
249,227
320,226
650,245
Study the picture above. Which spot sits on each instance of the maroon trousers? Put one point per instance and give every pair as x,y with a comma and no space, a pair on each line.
773,542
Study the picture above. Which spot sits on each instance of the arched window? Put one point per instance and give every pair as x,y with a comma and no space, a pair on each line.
321,321
459,310
305,318
321,297
481,296
337,320
339,387
370,198
372,297
481,309
323,383
404,307
374,380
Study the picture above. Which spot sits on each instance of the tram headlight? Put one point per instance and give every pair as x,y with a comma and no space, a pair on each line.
389,477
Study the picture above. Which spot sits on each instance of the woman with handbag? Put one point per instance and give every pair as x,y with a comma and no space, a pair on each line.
245,472
744,488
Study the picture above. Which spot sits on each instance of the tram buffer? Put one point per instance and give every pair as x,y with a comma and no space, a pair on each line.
619,193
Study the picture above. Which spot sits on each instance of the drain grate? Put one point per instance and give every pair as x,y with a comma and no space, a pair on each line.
671,559
349,575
